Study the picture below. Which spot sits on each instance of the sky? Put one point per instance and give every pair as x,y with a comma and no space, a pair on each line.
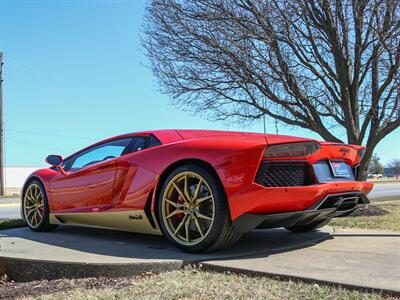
75,72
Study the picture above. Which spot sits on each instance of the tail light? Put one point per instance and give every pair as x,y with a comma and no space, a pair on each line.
291,150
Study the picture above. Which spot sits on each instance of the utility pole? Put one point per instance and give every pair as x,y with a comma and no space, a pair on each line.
1,129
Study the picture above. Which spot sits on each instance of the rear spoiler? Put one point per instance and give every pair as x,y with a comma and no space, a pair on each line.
352,154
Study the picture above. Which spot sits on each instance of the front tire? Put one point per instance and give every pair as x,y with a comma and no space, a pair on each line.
35,207
193,211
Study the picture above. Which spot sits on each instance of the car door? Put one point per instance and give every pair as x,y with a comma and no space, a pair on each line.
89,179
128,171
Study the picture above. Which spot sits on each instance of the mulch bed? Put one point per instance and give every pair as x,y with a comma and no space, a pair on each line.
369,211
10,289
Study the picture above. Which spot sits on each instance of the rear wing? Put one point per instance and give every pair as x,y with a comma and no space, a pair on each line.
351,154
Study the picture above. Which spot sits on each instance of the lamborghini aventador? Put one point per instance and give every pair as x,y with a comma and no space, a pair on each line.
200,189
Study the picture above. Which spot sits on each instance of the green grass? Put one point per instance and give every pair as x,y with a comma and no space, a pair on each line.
195,284
390,222
11,223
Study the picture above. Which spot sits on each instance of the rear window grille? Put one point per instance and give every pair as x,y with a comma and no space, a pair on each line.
281,175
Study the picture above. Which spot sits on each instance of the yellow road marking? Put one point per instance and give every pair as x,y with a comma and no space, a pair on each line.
10,205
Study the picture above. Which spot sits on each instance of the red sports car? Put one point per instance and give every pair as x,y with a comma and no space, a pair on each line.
201,189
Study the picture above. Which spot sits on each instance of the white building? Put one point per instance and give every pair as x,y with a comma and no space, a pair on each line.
14,178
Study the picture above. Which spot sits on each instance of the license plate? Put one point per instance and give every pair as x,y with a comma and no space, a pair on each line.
340,169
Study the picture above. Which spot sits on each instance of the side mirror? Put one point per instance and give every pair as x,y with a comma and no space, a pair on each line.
54,160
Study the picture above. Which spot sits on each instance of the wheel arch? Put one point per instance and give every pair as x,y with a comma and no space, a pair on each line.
23,190
193,161
28,181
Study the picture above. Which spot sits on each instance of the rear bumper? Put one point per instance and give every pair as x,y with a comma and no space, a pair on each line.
257,199
331,206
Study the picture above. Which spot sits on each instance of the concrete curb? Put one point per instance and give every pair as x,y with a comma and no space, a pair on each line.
215,268
24,270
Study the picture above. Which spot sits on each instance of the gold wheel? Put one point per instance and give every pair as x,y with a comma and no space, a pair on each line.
33,205
188,208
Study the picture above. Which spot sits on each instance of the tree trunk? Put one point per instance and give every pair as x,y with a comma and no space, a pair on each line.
363,167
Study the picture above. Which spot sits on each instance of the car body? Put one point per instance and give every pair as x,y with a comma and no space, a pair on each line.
266,180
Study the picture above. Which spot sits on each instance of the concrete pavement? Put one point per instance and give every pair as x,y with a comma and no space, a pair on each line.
353,258
82,252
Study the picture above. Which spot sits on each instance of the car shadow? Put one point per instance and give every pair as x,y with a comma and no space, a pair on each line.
117,244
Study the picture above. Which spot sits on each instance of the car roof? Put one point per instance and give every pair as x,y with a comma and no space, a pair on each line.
173,135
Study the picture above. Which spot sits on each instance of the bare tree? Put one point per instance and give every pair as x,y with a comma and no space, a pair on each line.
323,65
375,166
395,164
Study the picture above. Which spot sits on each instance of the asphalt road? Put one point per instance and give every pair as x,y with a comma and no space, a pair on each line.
9,207
9,212
384,190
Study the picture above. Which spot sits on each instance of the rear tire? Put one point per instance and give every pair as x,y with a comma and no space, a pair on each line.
309,227
35,207
193,212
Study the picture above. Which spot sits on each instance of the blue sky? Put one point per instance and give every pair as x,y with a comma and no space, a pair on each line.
75,73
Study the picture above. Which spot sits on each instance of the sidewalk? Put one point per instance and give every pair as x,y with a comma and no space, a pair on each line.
353,258
90,252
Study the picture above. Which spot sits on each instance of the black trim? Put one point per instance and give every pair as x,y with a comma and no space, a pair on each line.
248,221
262,173
337,200
147,210
331,206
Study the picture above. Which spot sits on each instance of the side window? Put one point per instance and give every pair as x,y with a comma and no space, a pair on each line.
100,153
67,163
142,142
153,141
138,143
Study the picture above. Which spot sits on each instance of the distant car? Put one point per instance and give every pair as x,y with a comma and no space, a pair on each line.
200,189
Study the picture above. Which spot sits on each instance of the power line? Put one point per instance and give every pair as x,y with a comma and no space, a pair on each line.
51,134
38,145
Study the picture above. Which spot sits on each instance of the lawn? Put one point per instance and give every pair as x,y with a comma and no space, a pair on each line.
189,283
389,221
11,223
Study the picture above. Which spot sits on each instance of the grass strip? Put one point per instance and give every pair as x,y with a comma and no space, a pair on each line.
191,283
11,223
390,221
